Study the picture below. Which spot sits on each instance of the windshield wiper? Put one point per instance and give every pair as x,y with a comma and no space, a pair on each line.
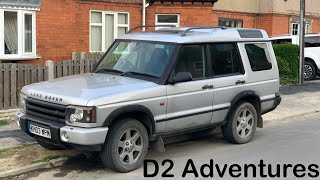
109,70
137,73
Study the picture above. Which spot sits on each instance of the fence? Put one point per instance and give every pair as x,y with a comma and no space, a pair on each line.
14,76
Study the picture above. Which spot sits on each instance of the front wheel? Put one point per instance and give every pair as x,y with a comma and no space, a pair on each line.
309,71
126,146
242,123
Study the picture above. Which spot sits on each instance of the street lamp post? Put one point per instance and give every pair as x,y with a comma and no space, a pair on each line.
301,41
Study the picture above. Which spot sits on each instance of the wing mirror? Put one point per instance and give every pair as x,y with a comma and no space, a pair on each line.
181,77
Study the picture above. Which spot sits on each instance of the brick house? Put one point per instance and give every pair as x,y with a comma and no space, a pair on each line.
33,31
38,30
277,17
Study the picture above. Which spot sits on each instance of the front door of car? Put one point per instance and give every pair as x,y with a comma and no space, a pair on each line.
190,103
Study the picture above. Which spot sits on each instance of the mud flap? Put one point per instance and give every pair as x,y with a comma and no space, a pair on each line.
158,145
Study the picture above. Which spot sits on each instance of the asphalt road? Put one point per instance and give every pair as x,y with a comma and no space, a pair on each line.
292,141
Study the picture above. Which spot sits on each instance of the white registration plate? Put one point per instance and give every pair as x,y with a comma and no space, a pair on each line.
40,131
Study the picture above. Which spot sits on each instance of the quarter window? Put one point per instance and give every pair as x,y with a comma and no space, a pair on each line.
168,19
192,59
225,59
105,27
258,56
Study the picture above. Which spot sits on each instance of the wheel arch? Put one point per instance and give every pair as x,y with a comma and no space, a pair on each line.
138,112
248,96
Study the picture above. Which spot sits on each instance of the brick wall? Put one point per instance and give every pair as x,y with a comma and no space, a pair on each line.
274,24
316,25
190,15
63,26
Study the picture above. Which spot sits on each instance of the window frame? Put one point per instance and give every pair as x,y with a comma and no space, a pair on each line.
177,24
22,54
103,26
307,27
228,19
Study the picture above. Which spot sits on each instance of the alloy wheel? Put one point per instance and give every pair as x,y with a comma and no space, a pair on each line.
308,71
245,123
130,146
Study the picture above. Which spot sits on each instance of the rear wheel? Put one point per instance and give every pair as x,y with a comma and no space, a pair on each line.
309,70
241,126
126,146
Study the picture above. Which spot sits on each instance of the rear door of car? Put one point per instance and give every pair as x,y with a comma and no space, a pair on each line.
228,79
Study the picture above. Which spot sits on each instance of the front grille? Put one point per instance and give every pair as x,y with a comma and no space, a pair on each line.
45,110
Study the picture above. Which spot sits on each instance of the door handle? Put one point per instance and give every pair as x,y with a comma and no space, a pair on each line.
207,87
240,82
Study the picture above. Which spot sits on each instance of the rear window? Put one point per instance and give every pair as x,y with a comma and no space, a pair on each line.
312,41
258,56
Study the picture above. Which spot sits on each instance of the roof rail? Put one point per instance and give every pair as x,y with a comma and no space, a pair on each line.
138,27
184,33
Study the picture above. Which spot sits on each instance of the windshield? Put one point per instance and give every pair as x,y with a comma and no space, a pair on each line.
137,57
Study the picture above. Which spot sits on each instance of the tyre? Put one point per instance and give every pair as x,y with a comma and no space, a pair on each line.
309,71
242,123
49,146
126,146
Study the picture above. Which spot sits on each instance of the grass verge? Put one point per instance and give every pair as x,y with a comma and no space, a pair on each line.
4,122
47,158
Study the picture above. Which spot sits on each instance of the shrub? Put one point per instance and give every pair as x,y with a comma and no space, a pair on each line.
288,62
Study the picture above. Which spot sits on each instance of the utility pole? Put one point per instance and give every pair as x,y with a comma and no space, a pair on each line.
301,41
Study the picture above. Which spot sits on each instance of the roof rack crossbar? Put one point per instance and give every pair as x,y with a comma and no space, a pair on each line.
138,27
184,33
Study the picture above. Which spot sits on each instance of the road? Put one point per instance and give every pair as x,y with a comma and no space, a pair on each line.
294,141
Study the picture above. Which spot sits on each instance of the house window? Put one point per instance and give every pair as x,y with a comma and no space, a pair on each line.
234,23
18,34
295,26
167,19
105,27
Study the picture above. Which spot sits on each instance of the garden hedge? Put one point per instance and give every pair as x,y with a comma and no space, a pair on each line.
288,62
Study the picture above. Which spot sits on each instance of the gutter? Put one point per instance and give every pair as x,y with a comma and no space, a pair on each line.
144,6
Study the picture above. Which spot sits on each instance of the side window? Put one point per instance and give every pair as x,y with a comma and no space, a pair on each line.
313,41
225,59
192,58
258,56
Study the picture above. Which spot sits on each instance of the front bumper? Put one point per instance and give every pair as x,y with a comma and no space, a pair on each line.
62,135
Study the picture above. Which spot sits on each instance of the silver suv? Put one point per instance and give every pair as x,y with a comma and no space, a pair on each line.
153,85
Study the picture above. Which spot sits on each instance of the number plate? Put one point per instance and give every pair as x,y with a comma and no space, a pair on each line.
40,131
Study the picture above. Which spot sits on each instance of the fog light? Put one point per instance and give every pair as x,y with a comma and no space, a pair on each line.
65,136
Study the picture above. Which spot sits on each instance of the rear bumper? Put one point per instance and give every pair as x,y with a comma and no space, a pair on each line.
90,139
276,102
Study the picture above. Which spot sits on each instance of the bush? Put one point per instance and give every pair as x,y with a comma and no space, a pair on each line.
288,62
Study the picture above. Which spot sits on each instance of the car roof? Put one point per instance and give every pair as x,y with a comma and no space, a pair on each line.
184,35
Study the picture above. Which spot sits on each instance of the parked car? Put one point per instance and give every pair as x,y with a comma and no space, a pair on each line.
312,52
152,85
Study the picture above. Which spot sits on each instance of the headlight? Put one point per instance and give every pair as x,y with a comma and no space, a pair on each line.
76,114
22,102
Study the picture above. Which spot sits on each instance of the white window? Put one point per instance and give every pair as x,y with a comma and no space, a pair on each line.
105,27
234,23
17,34
295,28
167,19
